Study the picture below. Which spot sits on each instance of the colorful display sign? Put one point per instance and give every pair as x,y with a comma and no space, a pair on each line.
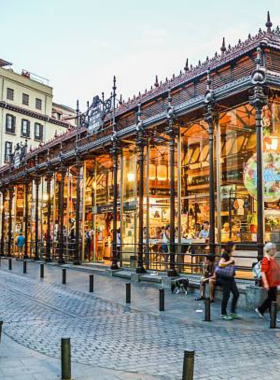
271,176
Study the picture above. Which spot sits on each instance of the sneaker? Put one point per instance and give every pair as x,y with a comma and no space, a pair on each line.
226,317
259,313
212,301
235,316
201,298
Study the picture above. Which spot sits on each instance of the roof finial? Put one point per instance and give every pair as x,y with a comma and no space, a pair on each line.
268,23
186,68
223,47
156,82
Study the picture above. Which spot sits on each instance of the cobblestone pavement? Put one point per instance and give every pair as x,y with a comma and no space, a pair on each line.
109,335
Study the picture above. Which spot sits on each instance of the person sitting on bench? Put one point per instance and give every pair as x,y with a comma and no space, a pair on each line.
209,277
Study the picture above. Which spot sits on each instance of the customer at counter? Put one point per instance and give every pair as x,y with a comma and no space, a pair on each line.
204,233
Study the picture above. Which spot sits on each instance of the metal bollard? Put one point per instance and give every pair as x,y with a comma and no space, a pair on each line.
64,276
273,314
24,266
42,270
128,292
1,324
188,365
91,283
207,304
65,359
10,264
161,299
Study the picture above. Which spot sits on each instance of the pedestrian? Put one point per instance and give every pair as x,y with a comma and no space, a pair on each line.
20,245
165,245
225,274
270,278
118,244
88,243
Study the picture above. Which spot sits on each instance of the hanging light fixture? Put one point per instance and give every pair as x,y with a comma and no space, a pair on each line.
130,177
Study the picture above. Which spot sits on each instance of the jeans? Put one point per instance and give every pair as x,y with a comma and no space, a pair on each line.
229,285
271,296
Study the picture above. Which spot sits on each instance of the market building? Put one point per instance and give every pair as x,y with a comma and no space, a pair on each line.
202,146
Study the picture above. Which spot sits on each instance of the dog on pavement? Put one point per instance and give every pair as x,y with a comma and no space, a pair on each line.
181,284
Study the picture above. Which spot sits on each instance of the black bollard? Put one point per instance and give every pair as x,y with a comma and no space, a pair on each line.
91,283
64,276
24,266
1,324
10,264
188,365
161,299
0,261
273,314
128,292
42,270
207,304
65,359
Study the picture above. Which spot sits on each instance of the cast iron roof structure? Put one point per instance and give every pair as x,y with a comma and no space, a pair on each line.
230,74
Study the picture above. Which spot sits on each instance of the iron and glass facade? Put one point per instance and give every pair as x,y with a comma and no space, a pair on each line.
203,146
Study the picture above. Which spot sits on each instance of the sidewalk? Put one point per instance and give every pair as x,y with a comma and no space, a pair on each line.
145,296
20,363
115,341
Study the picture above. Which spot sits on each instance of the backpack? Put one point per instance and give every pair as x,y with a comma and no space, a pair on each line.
257,270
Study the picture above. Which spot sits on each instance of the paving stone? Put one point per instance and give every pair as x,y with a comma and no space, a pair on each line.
106,334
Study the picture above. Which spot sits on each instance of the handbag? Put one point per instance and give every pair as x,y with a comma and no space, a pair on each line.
227,272
257,270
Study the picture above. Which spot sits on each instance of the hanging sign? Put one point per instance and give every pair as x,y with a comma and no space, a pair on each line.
95,116
271,176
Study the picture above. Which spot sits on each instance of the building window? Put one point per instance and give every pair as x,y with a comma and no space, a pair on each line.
25,99
10,94
8,150
10,124
38,132
25,128
38,104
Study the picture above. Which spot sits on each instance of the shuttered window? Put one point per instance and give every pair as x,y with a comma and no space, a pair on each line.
38,132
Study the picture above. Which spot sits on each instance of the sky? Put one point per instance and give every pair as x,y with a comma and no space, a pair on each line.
80,45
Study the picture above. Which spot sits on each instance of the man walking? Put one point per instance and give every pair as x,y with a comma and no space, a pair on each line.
20,245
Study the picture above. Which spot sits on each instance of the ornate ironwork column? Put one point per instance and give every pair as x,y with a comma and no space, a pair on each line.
115,153
77,259
63,171
11,194
49,177
37,184
211,118
171,132
26,186
4,194
258,100
141,144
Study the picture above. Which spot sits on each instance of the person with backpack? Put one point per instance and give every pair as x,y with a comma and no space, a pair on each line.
270,276
225,273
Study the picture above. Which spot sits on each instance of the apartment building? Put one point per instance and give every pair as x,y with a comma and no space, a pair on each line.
27,112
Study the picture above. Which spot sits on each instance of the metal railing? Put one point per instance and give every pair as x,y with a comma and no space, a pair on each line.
188,258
